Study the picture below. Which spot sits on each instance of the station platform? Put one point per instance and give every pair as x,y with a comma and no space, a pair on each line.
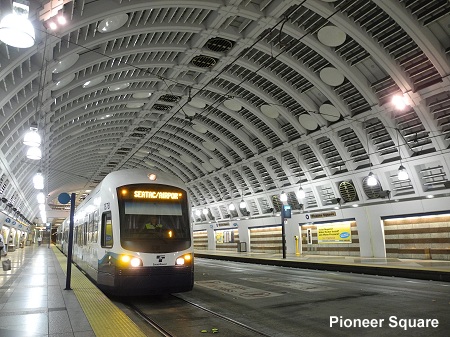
34,302
436,270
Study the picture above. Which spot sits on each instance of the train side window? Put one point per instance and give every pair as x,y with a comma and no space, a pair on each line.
95,229
107,232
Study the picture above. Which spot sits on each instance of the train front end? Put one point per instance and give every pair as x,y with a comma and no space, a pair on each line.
156,248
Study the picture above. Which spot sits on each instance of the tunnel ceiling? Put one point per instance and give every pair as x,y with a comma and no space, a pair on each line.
240,99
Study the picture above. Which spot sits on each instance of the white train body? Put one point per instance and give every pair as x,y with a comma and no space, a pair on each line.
132,234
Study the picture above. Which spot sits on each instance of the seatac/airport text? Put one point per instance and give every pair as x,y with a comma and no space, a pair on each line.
393,322
157,195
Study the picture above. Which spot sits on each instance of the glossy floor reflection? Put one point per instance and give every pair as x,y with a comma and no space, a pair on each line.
33,301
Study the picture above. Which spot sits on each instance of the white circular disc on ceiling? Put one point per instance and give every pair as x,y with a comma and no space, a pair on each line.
216,163
189,111
119,86
135,105
65,63
329,112
233,104
164,153
197,103
142,94
186,158
269,110
331,36
208,145
64,81
112,23
208,167
308,122
93,82
199,128
332,76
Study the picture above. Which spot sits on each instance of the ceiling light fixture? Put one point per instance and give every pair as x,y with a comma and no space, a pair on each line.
38,181
34,153
301,194
399,102
371,180
32,137
402,173
40,198
15,28
242,204
283,197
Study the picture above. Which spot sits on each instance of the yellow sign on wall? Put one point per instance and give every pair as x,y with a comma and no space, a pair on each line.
219,237
339,233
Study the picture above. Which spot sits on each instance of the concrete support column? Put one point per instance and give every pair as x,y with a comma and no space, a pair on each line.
211,238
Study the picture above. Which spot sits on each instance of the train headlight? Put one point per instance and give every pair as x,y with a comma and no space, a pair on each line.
135,262
127,260
182,260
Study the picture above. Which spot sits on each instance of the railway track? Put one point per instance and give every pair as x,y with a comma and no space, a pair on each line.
173,316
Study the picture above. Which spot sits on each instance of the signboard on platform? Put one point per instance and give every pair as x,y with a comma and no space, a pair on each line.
338,233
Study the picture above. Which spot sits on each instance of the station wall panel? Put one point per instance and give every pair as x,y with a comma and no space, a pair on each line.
418,237
200,240
228,242
341,249
266,240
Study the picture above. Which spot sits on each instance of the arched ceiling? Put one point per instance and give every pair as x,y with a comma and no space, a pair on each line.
242,99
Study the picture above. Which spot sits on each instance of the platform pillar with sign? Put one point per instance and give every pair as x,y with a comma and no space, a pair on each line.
285,214
65,198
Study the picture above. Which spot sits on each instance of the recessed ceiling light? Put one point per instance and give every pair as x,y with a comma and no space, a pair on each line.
94,81
112,23
65,63
119,86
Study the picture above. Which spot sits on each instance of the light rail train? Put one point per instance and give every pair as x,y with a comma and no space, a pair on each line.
132,234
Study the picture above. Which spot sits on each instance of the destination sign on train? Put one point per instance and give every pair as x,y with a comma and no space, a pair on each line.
157,195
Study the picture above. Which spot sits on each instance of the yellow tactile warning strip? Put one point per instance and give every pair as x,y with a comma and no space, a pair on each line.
105,318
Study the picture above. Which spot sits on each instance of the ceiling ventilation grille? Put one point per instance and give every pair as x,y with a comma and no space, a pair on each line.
348,191
169,98
162,107
203,61
142,129
137,135
219,45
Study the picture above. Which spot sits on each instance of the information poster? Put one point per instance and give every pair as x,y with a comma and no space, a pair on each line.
339,233
219,237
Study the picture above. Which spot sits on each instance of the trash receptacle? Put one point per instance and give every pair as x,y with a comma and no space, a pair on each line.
242,246
6,265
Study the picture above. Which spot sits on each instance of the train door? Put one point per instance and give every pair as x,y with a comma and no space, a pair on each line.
107,238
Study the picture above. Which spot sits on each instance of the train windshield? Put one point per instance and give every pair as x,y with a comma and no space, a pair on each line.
153,218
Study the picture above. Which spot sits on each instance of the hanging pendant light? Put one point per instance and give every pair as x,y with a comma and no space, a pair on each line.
32,137
38,181
371,180
15,28
301,194
283,197
34,153
231,207
402,173
40,198
242,204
